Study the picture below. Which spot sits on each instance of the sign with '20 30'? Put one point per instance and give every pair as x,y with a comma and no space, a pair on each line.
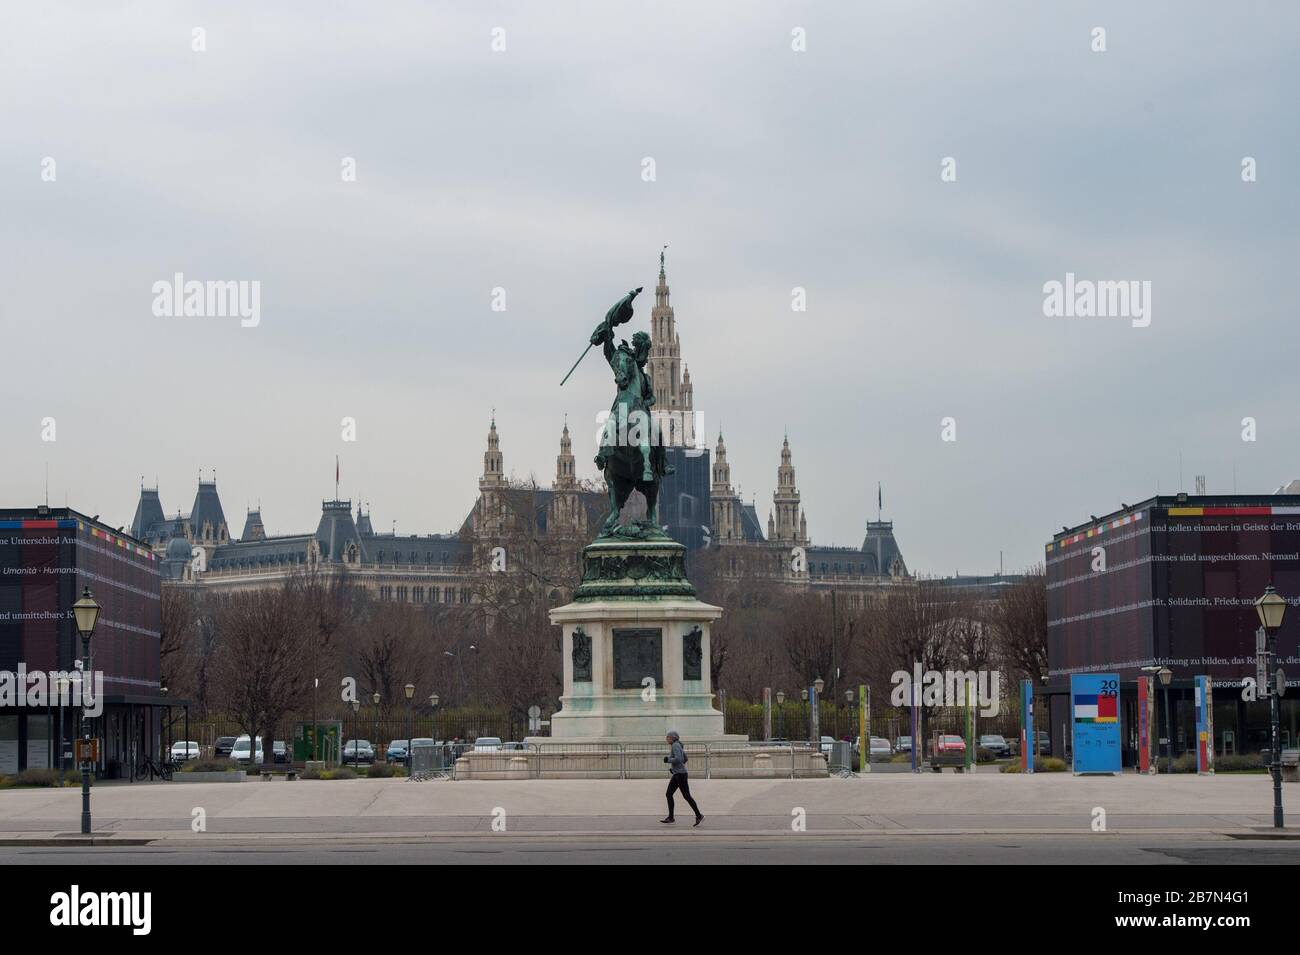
1094,710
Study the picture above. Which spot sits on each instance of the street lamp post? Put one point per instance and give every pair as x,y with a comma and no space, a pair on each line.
375,698
315,722
1271,608
410,713
86,613
780,713
848,710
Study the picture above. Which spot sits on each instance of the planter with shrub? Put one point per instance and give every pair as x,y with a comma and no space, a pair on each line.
32,778
210,771
1043,764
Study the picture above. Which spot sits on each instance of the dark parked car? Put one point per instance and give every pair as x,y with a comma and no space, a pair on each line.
397,751
358,751
280,751
224,746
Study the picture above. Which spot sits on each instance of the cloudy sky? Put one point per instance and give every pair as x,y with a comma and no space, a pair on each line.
522,169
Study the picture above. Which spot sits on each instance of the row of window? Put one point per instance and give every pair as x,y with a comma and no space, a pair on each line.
420,595
266,560
411,558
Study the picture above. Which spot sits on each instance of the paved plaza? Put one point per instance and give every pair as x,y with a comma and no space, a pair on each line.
317,813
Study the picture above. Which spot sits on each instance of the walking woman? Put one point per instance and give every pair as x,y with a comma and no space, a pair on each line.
676,760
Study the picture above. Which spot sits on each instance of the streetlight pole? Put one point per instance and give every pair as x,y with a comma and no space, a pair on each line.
1271,608
780,713
375,697
315,723
410,719
86,613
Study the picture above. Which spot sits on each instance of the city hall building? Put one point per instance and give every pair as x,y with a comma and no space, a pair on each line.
47,556
699,505
1172,582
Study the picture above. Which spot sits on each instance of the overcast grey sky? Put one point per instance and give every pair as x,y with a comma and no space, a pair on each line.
522,169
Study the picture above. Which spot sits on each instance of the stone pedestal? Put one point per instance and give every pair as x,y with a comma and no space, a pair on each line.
636,650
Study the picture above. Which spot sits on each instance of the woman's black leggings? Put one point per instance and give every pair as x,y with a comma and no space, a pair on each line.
679,781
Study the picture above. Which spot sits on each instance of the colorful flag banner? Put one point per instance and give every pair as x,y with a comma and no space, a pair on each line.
1146,738
1027,738
1204,726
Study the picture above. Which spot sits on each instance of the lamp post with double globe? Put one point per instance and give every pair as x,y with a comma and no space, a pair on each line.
1271,608
86,613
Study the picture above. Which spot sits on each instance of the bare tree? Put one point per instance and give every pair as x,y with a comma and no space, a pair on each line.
905,627
257,669
177,644
1019,619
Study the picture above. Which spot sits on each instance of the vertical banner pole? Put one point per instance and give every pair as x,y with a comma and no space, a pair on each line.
814,721
1204,727
1144,724
767,713
916,741
864,728
970,730
1027,736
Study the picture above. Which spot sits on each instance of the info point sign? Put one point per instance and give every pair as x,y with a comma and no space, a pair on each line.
1094,707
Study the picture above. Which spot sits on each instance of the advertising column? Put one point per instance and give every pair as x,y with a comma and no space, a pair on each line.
1094,700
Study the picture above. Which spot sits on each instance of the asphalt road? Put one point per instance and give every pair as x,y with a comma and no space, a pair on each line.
1106,849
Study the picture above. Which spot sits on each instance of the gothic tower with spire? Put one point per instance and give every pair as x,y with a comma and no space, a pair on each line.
567,516
726,502
788,525
491,485
672,385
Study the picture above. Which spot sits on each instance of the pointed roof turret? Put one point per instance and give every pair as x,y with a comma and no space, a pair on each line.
207,519
148,512
253,528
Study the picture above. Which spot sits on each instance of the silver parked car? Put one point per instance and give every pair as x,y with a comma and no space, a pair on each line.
995,744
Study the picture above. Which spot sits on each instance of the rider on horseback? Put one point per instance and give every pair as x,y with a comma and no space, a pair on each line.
629,423
627,454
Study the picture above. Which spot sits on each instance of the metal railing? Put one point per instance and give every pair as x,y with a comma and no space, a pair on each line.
569,760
